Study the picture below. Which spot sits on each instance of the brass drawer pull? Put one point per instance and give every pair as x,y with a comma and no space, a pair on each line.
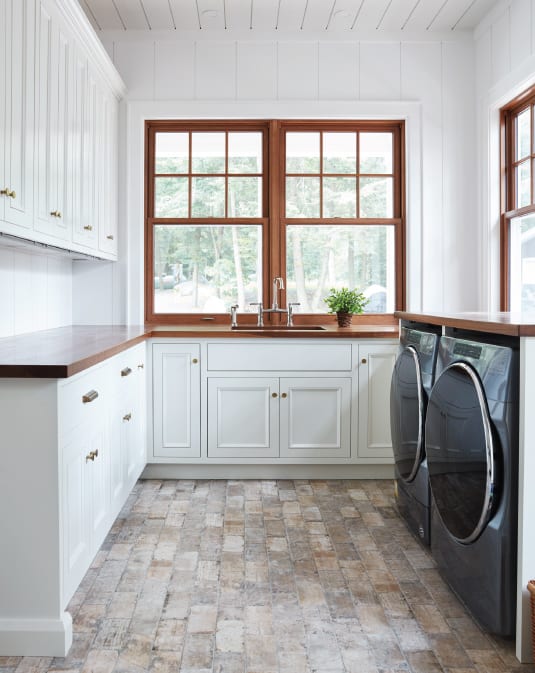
88,227
55,213
8,192
91,455
126,371
141,366
90,396
127,417
110,237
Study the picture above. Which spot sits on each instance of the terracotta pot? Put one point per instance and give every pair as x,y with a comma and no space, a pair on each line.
344,319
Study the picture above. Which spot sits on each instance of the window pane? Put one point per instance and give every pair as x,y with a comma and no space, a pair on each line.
523,134
522,263
172,153
339,197
302,197
523,185
208,152
245,197
356,256
208,197
171,197
375,152
302,152
206,268
245,153
376,197
339,152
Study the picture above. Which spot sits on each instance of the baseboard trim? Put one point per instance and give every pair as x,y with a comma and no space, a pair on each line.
191,471
36,637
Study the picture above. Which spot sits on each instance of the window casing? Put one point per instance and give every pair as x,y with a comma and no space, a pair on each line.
320,203
517,248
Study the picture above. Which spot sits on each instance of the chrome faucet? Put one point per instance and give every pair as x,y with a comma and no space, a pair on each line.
278,284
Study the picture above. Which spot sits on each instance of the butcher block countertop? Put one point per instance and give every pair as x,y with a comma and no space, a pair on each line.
65,351
513,324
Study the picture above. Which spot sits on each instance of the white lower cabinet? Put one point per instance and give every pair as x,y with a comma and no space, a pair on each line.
243,417
315,417
176,400
376,363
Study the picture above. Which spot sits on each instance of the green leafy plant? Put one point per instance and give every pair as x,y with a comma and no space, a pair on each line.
343,300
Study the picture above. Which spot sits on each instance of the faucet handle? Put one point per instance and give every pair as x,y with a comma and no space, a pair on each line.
233,319
260,310
291,305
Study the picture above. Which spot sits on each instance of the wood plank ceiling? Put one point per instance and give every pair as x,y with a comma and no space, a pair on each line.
286,15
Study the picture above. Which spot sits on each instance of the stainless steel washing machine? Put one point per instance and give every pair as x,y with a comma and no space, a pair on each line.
412,380
472,455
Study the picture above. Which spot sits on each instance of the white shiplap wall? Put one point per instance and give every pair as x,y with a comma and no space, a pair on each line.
35,292
505,66
294,74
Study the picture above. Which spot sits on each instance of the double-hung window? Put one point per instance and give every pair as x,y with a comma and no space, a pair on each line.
231,205
518,205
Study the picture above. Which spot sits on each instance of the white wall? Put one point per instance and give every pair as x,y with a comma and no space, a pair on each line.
35,292
181,75
505,66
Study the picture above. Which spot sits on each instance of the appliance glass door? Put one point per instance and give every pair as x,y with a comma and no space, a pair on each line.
407,402
460,452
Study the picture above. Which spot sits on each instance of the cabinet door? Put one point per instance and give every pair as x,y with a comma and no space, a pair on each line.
315,417
98,475
107,224
118,457
376,364
53,68
243,417
176,388
17,96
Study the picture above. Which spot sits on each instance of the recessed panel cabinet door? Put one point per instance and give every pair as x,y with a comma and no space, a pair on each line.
176,400
17,96
376,364
315,417
243,417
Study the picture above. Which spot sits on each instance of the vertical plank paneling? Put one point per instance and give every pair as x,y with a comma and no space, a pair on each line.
483,47
338,70
379,70
92,279
174,72
298,70
7,293
460,186
135,63
257,70
215,70
59,293
38,279
501,53
520,37
421,79
22,281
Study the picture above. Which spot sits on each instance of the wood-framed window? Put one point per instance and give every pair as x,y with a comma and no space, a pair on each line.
232,204
517,248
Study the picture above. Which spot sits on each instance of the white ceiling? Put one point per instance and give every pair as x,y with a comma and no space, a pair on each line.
286,15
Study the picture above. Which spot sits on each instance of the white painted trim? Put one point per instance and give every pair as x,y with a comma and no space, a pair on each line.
139,111
36,637
86,37
159,471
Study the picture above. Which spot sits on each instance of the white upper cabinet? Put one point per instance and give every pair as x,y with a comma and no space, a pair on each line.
17,77
59,106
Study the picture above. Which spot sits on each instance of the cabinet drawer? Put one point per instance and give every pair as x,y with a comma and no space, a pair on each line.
82,398
279,357
126,368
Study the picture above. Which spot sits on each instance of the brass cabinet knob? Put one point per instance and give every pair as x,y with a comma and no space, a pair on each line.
90,396
88,227
110,237
126,371
8,192
364,361
274,395
91,455
284,396
195,361
55,213
141,366
127,417
12,194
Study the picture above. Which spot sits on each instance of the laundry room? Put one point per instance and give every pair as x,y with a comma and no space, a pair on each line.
267,324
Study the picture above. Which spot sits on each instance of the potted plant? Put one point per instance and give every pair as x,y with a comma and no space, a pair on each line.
345,303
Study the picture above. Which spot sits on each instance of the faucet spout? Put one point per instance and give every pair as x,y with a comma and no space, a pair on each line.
278,284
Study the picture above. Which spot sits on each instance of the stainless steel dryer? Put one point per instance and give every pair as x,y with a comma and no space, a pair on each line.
472,454
411,384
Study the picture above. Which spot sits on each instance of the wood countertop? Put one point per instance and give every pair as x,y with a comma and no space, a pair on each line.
65,351
513,324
